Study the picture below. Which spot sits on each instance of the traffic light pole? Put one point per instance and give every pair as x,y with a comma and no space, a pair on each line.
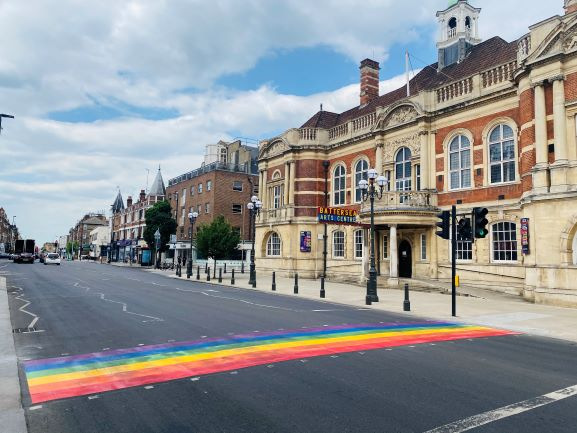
454,259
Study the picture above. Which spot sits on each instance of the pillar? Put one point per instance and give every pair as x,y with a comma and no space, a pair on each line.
379,155
263,188
432,160
292,183
425,164
559,169
287,169
393,257
540,175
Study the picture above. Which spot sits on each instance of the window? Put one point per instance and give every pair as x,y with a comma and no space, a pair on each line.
423,246
388,177
199,209
208,185
236,208
223,155
418,177
273,245
339,244
504,241
183,216
192,187
460,163
276,196
361,173
358,244
464,248
237,185
183,196
385,247
339,182
574,248
403,169
502,154
207,208
199,188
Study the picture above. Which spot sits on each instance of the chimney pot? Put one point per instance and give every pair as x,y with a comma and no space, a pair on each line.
129,201
369,80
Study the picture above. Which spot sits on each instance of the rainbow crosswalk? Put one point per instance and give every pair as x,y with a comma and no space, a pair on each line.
74,376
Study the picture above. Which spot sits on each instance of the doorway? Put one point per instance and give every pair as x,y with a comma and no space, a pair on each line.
405,260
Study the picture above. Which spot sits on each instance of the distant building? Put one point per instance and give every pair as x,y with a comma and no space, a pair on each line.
223,185
99,240
8,233
128,223
80,233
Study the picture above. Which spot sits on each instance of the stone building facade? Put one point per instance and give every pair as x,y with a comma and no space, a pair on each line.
8,233
491,124
80,233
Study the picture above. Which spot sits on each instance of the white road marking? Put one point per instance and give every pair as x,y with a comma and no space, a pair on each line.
324,311
149,387
23,307
505,411
248,302
36,407
194,379
93,397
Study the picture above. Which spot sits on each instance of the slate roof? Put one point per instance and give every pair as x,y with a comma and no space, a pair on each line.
118,204
486,55
157,188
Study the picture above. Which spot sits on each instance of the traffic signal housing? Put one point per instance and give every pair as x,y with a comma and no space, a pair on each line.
480,222
464,230
444,224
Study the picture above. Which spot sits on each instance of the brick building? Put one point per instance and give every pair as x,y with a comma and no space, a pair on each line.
128,223
80,233
491,124
223,185
8,233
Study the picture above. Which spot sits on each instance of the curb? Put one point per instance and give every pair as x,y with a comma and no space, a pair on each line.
11,412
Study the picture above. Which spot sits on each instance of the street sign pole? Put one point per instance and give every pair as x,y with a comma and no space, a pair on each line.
453,259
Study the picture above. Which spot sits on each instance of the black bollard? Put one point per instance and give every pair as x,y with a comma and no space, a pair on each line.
242,267
220,275
407,303
296,288
208,275
225,268
206,267
232,278
214,272
198,272
274,281
322,287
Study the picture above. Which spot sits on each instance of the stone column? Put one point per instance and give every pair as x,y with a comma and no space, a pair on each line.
263,189
559,169
292,183
379,155
424,136
366,255
540,176
393,257
432,160
287,170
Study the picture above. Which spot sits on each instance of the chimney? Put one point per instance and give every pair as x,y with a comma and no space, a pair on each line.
570,6
129,201
142,195
369,80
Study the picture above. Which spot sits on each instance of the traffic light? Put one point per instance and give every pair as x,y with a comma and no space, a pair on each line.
480,222
444,224
464,230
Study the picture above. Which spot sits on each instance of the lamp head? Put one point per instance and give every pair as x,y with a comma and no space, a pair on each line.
250,206
254,199
363,185
372,174
258,204
382,181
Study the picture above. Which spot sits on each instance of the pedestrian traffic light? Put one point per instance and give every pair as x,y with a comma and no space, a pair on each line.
480,222
464,230
444,224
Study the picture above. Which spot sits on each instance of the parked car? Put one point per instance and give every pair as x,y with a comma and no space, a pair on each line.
4,256
52,259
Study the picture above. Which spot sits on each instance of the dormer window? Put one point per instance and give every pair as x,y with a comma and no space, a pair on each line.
452,27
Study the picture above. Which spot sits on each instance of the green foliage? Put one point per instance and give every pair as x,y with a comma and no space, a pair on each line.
159,216
71,246
217,240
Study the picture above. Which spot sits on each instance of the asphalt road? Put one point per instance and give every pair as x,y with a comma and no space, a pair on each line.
81,308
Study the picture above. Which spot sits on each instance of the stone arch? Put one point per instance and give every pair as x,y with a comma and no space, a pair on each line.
265,240
399,113
568,235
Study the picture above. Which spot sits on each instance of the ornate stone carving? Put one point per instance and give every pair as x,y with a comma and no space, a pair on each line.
273,149
400,116
570,41
410,141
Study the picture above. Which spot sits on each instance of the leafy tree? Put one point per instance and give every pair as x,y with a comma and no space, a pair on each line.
159,216
217,240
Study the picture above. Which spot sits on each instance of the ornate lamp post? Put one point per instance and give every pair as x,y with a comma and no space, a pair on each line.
156,255
369,192
192,216
254,207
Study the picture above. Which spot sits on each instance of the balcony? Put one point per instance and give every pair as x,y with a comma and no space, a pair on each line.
410,207
276,216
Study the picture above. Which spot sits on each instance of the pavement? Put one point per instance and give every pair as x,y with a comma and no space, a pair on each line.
474,305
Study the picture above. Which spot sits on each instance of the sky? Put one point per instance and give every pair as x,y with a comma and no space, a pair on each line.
105,92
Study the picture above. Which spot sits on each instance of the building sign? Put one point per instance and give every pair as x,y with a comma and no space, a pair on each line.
525,235
306,242
337,215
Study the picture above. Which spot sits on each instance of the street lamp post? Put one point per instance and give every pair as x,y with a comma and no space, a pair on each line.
192,216
254,207
325,235
4,116
369,192
156,255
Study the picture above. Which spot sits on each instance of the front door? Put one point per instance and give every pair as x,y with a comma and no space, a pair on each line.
405,260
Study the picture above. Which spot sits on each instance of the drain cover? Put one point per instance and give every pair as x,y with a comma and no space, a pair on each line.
24,330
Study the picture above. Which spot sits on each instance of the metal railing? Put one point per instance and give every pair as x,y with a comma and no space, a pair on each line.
403,200
247,167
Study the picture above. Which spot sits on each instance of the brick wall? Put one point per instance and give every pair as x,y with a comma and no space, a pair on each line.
571,87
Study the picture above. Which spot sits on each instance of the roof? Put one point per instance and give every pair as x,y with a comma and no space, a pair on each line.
486,55
157,188
118,204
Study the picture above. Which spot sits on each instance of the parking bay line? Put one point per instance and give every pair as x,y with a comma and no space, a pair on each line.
506,411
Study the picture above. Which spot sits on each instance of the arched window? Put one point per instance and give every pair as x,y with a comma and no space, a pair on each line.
574,248
502,154
460,162
452,30
273,245
504,241
403,169
468,23
359,244
361,169
339,244
339,182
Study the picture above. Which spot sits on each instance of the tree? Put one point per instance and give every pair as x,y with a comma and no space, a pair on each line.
217,240
159,216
